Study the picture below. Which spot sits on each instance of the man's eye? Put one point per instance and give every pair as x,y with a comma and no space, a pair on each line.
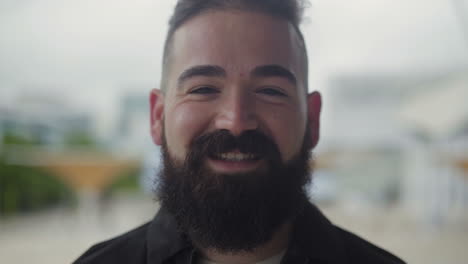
203,90
272,92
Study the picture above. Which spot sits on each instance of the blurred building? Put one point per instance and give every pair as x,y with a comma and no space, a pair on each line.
133,138
400,139
436,182
45,120
364,143
132,133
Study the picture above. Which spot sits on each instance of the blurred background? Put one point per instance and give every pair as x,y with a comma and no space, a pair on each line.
77,164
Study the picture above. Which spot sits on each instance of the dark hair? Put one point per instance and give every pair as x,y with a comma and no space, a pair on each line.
290,10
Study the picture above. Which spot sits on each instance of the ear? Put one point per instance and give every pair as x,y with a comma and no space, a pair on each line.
314,107
156,115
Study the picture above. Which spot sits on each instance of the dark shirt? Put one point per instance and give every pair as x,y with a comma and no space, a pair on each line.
314,240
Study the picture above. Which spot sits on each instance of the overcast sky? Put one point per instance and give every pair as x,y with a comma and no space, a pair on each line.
91,50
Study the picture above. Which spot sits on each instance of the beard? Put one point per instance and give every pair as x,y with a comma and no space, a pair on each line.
233,212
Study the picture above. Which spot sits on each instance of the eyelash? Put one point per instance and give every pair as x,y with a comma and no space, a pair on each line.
203,90
272,92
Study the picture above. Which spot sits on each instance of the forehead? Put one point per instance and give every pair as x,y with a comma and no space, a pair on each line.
237,41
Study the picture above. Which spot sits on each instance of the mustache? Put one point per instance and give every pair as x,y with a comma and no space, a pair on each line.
222,141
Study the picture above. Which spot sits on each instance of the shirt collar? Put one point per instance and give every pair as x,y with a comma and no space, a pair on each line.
163,238
315,239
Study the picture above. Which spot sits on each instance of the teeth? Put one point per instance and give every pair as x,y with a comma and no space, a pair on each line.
231,156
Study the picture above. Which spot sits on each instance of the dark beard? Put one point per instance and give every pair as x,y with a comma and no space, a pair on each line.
235,212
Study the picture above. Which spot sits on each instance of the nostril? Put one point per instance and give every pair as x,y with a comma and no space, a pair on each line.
237,113
236,125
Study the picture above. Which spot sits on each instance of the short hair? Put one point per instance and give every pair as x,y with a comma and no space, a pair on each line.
289,10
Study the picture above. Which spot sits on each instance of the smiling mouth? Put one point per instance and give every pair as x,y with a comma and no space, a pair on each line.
236,156
235,161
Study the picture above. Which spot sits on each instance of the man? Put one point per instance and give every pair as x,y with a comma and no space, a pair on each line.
236,125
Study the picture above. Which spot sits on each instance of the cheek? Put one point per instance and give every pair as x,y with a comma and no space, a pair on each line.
184,124
287,128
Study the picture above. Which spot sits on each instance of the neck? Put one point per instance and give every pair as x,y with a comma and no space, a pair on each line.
278,243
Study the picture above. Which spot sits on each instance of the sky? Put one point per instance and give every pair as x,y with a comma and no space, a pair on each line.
90,52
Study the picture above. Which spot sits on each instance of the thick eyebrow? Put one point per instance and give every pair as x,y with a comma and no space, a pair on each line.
201,70
274,71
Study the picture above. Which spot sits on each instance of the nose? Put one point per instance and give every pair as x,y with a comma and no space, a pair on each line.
237,113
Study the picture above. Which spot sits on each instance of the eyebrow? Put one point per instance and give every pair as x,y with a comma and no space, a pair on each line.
271,70
274,70
201,70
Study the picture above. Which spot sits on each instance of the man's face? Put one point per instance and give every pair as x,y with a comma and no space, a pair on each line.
235,128
235,71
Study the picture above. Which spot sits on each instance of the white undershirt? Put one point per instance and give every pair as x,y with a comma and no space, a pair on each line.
276,259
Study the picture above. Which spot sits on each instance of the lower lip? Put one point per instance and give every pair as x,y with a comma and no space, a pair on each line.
224,166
